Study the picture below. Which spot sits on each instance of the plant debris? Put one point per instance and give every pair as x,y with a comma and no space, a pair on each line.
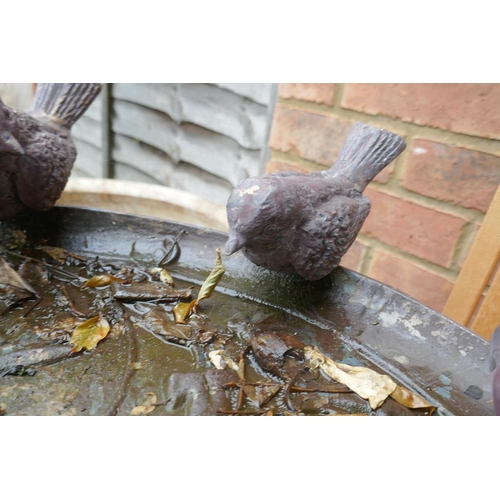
238,366
148,405
88,334
183,310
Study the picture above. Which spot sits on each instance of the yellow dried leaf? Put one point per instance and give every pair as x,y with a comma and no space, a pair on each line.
100,280
147,406
213,279
221,360
161,274
166,277
410,399
182,310
88,334
367,383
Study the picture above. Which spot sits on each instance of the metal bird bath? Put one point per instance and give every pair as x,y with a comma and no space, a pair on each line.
349,317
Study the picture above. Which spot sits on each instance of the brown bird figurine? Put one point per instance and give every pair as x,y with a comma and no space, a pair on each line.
293,222
36,148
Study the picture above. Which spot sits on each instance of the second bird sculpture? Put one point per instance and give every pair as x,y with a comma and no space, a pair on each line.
293,222
36,148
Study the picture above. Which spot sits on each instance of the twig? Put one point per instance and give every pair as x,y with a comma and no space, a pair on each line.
236,412
330,391
288,401
73,308
55,268
37,301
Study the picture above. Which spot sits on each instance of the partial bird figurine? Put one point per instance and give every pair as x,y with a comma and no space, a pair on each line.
37,152
305,223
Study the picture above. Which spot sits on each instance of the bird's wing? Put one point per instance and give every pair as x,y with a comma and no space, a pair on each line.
326,237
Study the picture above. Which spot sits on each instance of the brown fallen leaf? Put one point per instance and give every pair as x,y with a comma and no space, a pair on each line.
148,405
58,254
88,334
410,399
10,277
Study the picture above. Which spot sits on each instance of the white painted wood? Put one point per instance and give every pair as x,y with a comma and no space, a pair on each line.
144,199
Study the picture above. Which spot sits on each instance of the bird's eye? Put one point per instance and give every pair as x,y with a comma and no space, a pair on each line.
270,230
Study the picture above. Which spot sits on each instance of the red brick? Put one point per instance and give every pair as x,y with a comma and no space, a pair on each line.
461,176
354,256
468,108
424,285
418,230
274,167
312,136
322,93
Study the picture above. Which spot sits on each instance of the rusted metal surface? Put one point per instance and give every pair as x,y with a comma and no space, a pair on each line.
347,313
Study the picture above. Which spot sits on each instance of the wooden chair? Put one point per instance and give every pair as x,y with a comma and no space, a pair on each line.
464,304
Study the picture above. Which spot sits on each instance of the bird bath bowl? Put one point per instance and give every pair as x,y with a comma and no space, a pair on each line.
349,317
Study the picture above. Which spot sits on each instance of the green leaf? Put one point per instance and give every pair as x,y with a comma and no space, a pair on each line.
88,334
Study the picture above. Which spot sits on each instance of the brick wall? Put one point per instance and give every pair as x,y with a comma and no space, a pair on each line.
428,204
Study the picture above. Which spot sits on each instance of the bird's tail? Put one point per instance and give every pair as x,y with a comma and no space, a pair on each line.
63,102
365,152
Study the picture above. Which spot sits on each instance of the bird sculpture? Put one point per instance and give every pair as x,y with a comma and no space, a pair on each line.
305,223
36,148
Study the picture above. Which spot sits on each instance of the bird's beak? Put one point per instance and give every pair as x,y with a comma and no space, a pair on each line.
234,243
9,144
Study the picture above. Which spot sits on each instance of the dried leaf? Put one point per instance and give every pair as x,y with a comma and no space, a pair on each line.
182,310
213,279
101,280
88,334
410,399
148,405
172,254
58,254
162,275
269,351
158,322
221,360
9,277
367,383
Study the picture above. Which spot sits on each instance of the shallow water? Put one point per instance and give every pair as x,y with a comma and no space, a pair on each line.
146,352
